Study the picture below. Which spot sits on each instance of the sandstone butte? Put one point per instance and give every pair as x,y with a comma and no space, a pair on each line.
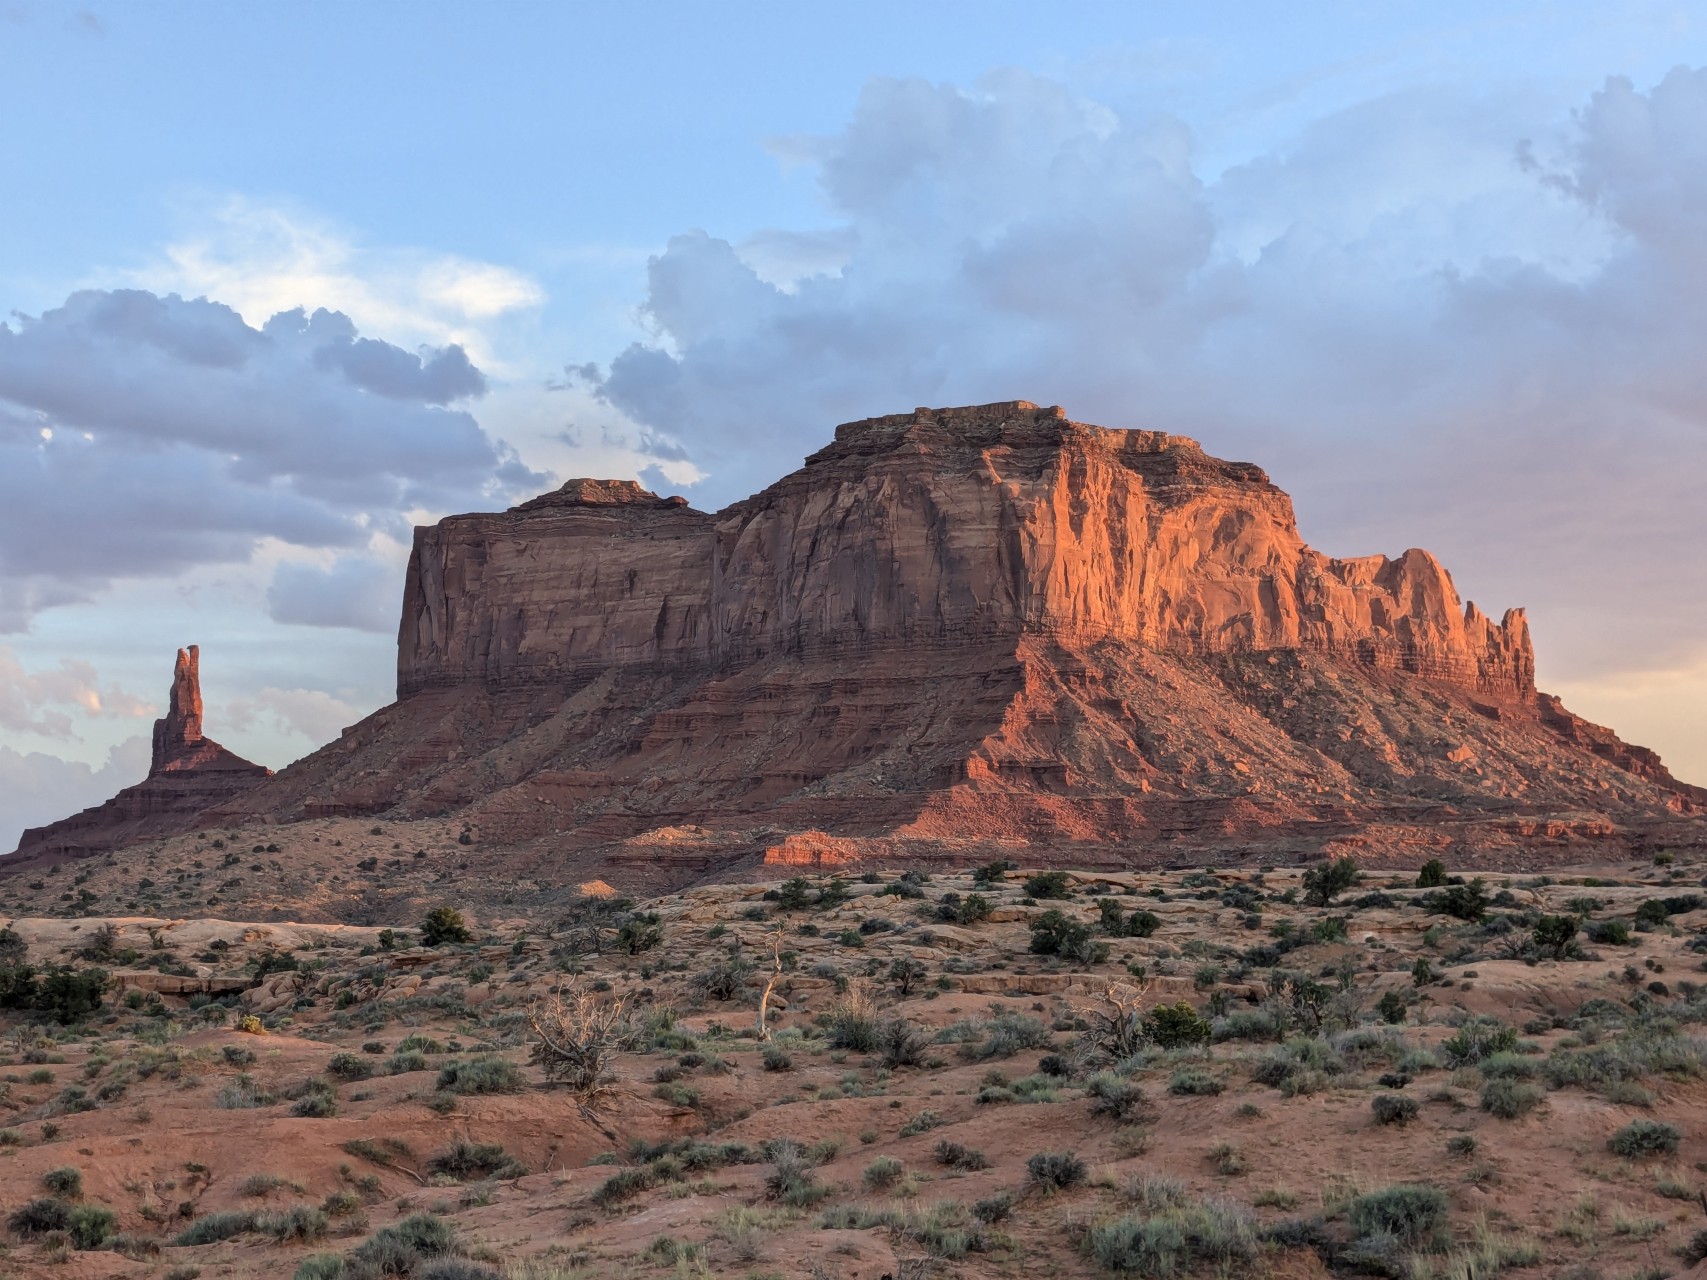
188,773
955,633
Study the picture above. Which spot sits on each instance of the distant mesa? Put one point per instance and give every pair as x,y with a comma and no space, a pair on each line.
957,633
188,774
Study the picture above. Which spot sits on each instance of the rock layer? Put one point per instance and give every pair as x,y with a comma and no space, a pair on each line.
189,773
958,628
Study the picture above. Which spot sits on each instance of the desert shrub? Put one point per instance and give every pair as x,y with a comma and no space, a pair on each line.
882,1173
1049,884
1006,1034
1510,1066
214,1227
1413,1214
924,1122
994,872
1554,934
1508,1099
298,1223
790,1178
465,1160
66,1183
406,1060
973,908
237,1055
91,1226
775,1059
466,1269
1175,1240
1477,1039
481,1075
404,1248
1645,1138
575,1040
902,1044
1608,933
39,1217
444,924
1327,880
347,1066
1056,1170
1055,934
621,1186
1177,1026
640,932
241,1094
1461,901
853,1020
1194,1082
1393,1108
1116,1097
956,1156
724,981
319,1101
418,1043
1432,875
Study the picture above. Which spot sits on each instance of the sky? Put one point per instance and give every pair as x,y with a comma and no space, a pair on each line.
280,281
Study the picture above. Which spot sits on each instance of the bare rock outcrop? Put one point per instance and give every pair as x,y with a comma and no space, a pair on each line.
189,773
962,629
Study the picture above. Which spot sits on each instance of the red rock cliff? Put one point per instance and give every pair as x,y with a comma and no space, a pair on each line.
930,528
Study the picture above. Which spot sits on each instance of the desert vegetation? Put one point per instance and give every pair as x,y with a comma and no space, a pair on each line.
1328,1069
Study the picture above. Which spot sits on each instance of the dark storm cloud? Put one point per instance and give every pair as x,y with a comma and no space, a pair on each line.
142,435
1439,320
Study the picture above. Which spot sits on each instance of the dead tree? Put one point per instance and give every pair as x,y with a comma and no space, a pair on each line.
764,1031
575,1039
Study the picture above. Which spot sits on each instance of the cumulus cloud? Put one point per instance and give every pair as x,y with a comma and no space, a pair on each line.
1440,320
36,788
143,434
40,702
262,259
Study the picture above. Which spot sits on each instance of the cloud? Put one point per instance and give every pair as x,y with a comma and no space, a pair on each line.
1439,318
355,591
36,788
143,435
261,260
310,713
39,702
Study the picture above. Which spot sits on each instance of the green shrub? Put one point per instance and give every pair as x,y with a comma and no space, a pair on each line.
66,1183
481,1075
882,1173
1116,1097
214,1227
1007,1034
465,1160
1056,1170
1177,1026
1176,1240
39,1217
1415,1215
1049,884
299,1223
1645,1138
90,1226
1608,933
621,1186
1554,934
1478,1038
775,1059
956,1156
1508,1099
319,1101
1055,934
347,1066
1194,1082
1393,1108
1327,880
1432,875
320,1266
444,924
403,1248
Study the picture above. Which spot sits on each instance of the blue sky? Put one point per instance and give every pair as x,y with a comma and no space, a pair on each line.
1435,265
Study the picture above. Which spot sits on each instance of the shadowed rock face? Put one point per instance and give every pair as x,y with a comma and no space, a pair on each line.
963,628
188,774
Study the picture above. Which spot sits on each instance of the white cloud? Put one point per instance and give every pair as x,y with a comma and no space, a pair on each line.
262,260
1440,319
41,702
142,435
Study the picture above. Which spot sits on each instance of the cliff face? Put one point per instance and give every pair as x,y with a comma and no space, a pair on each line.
960,629
188,774
929,529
